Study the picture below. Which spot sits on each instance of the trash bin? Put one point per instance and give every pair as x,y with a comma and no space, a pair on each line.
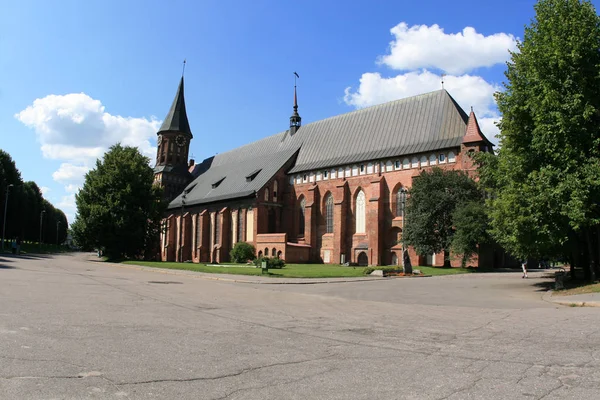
559,280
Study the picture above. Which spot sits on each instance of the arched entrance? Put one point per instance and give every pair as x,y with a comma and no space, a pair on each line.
394,259
362,259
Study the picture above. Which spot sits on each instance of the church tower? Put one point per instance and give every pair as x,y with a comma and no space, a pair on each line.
174,136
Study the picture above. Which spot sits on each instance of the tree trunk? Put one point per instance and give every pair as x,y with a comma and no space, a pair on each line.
447,259
590,267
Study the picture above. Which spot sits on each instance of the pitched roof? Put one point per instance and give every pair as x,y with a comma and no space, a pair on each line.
226,176
474,134
417,124
177,120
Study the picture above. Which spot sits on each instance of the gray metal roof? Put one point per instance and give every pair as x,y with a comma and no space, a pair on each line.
267,155
177,120
413,125
417,124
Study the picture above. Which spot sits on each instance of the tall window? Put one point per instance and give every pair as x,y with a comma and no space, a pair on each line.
329,213
198,231
400,202
232,230
301,220
266,194
240,227
166,226
360,212
217,229
275,191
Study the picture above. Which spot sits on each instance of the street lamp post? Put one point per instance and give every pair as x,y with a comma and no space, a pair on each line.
181,228
41,224
5,208
405,259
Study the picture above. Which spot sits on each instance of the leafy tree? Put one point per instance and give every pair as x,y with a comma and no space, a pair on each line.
545,182
430,210
470,224
242,252
119,209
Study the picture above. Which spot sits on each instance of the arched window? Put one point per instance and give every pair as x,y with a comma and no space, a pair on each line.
301,214
275,191
250,225
415,162
423,161
266,194
198,231
360,212
266,252
400,202
451,157
329,214
217,229
240,227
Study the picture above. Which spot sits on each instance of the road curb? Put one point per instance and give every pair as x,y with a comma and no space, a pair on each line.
547,297
201,275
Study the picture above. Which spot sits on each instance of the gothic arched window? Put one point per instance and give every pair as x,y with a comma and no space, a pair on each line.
301,214
360,212
400,202
240,226
329,213
266,194
275,191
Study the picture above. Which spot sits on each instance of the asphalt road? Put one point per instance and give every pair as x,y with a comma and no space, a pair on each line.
71,328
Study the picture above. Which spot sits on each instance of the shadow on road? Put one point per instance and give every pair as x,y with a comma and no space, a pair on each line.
7,267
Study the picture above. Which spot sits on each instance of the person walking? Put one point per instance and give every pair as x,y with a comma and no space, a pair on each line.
524,267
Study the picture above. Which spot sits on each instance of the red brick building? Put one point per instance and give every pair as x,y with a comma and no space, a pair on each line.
330,191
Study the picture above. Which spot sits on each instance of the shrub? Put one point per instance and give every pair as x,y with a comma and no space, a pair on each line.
242,252
272,262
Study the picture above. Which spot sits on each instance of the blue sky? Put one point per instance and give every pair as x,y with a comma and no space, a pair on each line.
78,76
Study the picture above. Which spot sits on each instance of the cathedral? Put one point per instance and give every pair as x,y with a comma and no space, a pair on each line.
331,191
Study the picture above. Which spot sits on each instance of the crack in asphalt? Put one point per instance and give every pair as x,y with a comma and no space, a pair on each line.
210,378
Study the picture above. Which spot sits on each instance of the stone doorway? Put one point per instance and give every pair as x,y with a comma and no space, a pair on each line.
362,259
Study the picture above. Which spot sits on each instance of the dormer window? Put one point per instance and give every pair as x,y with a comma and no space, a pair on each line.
217,183
250,178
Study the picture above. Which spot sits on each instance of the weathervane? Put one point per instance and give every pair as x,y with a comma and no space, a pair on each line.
183,70
443,75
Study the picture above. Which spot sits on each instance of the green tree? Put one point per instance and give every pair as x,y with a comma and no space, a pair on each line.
545,182
118,208
430,210
471,225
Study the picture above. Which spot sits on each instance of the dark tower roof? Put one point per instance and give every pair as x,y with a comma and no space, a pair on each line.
176,120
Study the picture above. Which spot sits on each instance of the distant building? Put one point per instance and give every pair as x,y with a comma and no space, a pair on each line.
330,191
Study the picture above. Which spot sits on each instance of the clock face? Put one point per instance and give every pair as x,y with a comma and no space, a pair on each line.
180,140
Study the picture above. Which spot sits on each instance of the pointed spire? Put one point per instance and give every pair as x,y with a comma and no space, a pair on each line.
176,120
295,119
473,133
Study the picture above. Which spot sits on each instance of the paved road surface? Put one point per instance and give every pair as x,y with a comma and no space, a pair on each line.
76,329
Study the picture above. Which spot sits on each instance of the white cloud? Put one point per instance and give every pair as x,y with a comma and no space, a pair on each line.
68,206
44,190
422,46
76,129
469,91
69,173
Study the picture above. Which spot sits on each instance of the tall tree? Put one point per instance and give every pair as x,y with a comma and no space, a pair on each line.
546,178
433,201
118,208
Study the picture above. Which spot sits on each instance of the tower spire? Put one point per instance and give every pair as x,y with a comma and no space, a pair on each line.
295,119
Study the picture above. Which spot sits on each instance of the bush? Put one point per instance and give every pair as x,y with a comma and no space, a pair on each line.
368,270
272,262
242,252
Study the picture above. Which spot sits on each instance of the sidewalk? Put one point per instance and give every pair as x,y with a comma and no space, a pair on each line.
579,300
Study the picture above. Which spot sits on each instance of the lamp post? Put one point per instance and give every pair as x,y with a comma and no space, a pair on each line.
41,223
5,208
181,228
405,260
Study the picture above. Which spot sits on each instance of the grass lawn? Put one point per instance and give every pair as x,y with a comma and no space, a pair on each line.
34,248
445,271
577,287
290,270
